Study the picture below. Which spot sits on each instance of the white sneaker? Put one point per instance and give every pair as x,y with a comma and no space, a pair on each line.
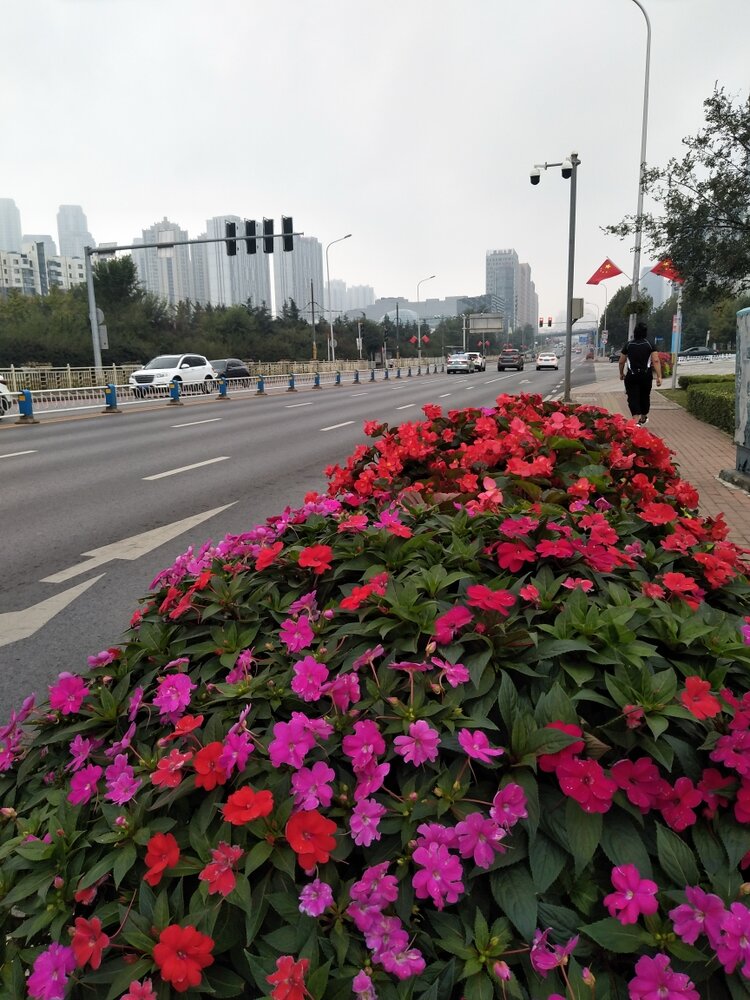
643,421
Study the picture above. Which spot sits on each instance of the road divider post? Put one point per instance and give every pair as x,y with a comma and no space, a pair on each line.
26,408
174,394
261,390
110,398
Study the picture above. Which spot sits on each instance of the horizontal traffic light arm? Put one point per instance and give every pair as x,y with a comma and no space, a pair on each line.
103,251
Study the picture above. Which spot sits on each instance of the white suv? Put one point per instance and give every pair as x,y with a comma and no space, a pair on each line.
6,398
185,368
480,362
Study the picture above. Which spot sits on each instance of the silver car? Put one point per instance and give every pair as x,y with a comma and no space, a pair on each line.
459,364
6,398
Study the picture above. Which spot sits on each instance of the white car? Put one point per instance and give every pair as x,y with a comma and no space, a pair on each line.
547,359
185,368
480,363
459,363
6,398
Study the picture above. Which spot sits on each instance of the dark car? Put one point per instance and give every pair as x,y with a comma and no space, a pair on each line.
698,352
510,358
231,368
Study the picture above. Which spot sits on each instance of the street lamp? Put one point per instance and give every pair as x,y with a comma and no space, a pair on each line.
331,346
419,322
639,211
569,170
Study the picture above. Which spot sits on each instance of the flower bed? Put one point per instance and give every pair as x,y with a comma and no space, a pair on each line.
475,724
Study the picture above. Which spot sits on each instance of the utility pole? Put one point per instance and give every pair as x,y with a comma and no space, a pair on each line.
312,307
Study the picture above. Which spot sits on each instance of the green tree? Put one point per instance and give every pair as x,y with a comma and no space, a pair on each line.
618,313
116,282
704,195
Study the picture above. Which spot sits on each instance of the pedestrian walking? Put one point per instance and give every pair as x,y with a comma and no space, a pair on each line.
639,362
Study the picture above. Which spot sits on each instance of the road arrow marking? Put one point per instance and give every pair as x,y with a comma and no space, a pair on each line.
135,546
18,625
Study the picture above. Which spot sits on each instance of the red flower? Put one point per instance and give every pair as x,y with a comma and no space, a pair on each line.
697,699
181,955
658,513
88,942
169,769
448,624
479,596
183,727
512,556
208,774
316,557
162,852
586,782
551,761
310,836
677,808
219,873
245,805
268,555
288,981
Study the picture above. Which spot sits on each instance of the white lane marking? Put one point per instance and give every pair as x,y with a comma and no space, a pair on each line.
469,387
334,427
136,545
185,468
293,406
194,423
443,395
358,393
18,625
406,406
525,381
501,378
15,454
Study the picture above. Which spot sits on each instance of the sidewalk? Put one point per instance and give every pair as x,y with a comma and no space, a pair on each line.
701,451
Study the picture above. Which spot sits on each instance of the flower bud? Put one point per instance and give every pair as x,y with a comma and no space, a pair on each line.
58,882
328,614
502,971
588,977
431,648
745,889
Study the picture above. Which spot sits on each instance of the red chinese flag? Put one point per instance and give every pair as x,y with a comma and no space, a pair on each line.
412,340
607,270
666,269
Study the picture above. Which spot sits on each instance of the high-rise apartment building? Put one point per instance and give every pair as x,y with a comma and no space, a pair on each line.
359,296
166,272
73,231
10,225
336,297
298,276
654,285
199,268
50,247
65,272
19,272
235,280
502,279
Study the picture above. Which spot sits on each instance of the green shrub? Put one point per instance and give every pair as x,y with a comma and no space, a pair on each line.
713,404
403,742
685,381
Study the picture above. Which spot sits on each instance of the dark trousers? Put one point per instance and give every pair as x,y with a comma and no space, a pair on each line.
638,390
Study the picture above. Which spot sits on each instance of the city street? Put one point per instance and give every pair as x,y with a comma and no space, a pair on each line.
92,508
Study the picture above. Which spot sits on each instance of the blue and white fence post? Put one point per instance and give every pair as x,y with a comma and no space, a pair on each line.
356,376
174,394
372,374
261,390
26,408
338,378
223,386
386,376
398,372
316,381
408,372
291,387
110,398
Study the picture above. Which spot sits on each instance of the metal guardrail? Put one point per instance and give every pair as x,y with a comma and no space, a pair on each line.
114,397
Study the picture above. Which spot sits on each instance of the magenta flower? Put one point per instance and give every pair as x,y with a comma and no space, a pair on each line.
403,964
343,691
448,624
309,677
509,805
376,887
545,957
475,744
121,781
83,784
237,748
121,744
641,782
290,744
363,745
733,948
479,838
49,976
420,745
362,987
703,913
80,749
586,782
367,659
370,779
634,895
173,696
241,669
439,875
315,897
745,631
140,991
655,979
454,673
101,659
135,703
678,808
364,821
311,786
296,633
66,696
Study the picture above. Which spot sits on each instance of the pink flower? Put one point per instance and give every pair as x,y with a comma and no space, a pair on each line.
529,593
102,659
439,875
545,957
733,947
343,691
363,745
586,782
309,676
641,782
448,624
315,897
66,696
475,744
296,633
241,669
173,696
454,673
290,744
578,583
83,784
634,895
703,913
135,703
121,781
49,976
509,805
140,991
370,779
655,979
479,596
80,749
311,786
238,746
362,987
420,745
367,659
364,821
479,838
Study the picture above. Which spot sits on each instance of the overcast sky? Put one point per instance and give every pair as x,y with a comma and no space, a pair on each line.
411,124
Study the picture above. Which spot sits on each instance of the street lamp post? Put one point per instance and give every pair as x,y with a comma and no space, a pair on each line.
639,211
331,345
569,172
419,320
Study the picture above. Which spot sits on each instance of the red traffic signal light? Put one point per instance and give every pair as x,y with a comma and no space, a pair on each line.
549,321
541,322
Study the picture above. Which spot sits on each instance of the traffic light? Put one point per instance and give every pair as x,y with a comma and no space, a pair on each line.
230,229
287,228
268,236
541,322
549,321
250,241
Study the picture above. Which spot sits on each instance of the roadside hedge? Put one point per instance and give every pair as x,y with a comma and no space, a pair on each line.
713,404
685,381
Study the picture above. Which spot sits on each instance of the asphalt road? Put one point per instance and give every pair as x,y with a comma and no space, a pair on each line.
92,508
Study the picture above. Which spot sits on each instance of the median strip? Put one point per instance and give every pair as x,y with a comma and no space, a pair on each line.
185,468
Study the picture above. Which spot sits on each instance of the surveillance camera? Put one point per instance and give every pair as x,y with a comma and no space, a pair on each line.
567,169
534,176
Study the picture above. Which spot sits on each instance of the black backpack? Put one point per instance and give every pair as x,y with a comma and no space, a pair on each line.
641,368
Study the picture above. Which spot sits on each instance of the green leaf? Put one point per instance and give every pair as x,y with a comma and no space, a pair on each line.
623,843
546,859
125,861
507,700
514,892
584,833
481,930
736,840
479,987
675,857
614,936
224,982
